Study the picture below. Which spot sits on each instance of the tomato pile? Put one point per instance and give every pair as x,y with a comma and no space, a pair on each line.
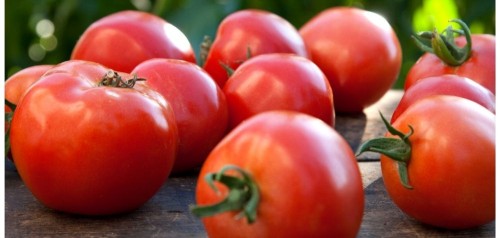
101,133
438,156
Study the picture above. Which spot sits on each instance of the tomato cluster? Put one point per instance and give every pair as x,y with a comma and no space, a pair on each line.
438,156
100,133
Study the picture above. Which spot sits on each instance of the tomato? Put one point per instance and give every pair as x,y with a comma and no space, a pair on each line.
124,39
85,145
297,176
478,66
15,86
448,164
199,106
359,53
448,84
278,81
247,33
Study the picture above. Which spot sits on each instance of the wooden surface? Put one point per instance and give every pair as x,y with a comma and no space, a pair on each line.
167,215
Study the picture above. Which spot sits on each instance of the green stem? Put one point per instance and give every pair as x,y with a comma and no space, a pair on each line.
243,194
398,149
443,45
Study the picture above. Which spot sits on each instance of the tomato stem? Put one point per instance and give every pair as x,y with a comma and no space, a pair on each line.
243,194
398,149
227,68
205,48
443,45
113,79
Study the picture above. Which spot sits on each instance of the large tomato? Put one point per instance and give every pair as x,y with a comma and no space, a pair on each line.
448,84
85,142
199,106
278,81
122,40
475,61
359,53
291,175
447,165
249,33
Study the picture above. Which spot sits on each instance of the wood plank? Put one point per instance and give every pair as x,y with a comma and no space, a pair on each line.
382,218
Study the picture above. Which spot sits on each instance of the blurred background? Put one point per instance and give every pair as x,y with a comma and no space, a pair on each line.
45,31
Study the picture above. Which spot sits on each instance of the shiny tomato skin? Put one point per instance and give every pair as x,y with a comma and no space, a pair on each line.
122,40
308,178
88,149
448,84
359,53
480,67
199,106
452,164
278,81
250,31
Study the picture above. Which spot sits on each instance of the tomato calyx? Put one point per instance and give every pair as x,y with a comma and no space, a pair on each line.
205,46
398,149
113,79
243,194
229,70
443,45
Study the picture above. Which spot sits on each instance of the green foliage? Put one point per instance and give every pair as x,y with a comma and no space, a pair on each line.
197,18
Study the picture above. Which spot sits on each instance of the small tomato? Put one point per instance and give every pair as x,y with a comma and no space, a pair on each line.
438,162
278,82
289,174
122,40
87,141
198,103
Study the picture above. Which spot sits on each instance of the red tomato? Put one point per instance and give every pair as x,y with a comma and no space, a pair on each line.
303,176
470,56
278,81
451,164
122,40
15,87
249,33
199,106
359,53
84,147
448,84
480,67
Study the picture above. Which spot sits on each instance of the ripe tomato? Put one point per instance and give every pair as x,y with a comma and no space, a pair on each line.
15,87
300,179
448,84
199,106
359,53
449,163
124,39
84,146
278,81
249,33
480,66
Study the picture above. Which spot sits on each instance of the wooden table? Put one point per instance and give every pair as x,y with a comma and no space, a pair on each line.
167,215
